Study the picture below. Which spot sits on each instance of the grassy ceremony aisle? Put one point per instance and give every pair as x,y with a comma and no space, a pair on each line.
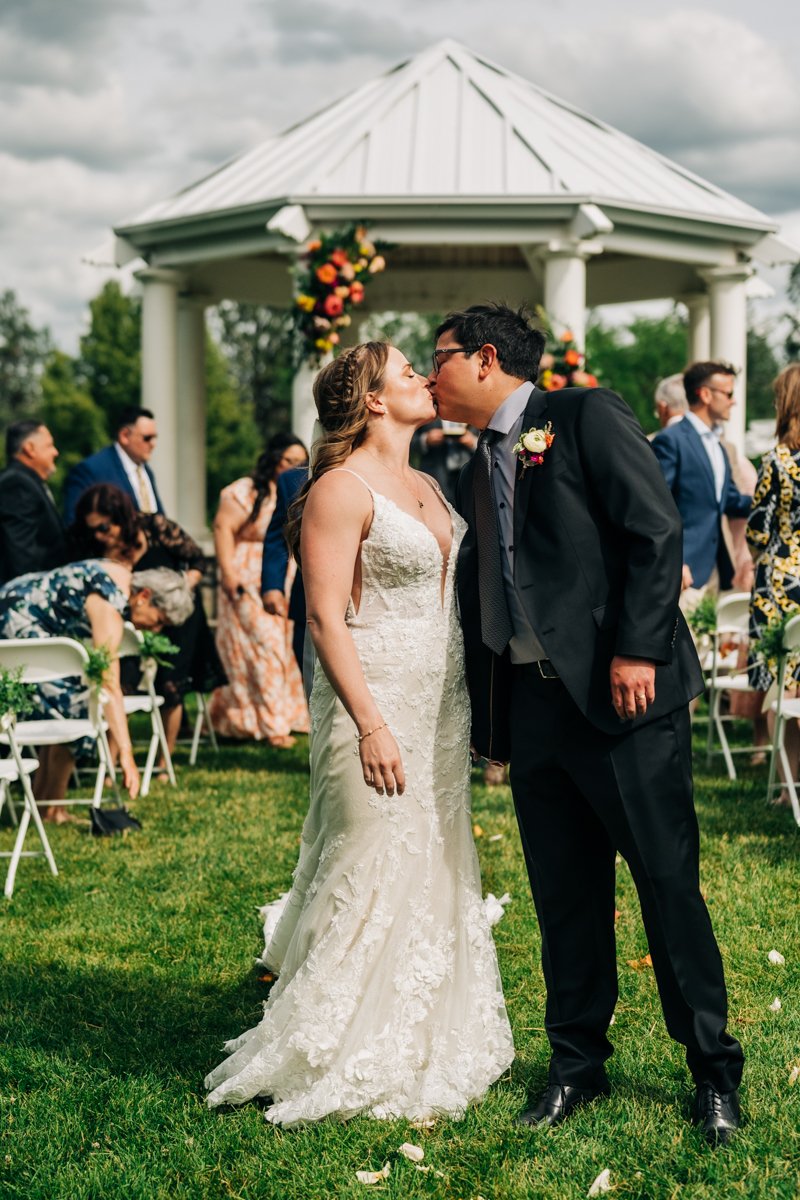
122,977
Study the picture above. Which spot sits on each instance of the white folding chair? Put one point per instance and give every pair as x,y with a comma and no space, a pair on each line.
147,702
43,660
785,709
17,769
733,620
203,718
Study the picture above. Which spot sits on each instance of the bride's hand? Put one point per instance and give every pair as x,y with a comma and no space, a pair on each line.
381,762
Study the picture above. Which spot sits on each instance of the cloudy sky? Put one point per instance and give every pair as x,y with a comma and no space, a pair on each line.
108,105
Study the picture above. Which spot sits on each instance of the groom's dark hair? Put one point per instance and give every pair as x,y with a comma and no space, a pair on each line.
519,346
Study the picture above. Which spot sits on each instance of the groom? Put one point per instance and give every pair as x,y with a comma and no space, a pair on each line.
581,669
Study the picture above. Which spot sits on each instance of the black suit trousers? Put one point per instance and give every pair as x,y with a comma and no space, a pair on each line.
581,796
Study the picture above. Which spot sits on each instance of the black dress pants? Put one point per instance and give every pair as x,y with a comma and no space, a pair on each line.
581,796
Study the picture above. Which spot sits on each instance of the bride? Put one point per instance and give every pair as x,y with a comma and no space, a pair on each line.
388,1001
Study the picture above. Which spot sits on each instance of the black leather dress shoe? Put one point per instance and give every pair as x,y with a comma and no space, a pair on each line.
557,1101
717,1114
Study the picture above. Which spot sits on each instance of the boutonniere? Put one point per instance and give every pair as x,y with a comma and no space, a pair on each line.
533,445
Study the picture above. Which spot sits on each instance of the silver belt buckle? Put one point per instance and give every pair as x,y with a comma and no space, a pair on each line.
546,668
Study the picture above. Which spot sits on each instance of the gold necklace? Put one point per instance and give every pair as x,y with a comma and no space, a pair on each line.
413,493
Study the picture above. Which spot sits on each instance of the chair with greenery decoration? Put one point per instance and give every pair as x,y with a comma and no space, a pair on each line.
15,702
151,648
730,633
781,647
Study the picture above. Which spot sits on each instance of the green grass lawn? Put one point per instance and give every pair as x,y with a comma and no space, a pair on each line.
120,979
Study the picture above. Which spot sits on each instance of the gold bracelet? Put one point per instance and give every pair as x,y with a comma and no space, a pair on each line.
360,736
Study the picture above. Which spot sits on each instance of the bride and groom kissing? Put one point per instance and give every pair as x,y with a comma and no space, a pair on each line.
538,620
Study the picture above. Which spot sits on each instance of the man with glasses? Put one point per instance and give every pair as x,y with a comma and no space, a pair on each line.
124,464
698,473
580,670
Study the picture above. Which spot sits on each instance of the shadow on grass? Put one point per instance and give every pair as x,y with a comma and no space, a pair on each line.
130,1022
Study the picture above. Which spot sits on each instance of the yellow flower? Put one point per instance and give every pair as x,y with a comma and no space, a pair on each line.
323,344
305,302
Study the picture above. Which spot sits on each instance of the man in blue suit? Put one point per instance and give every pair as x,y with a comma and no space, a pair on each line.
123,464
276,562
698,474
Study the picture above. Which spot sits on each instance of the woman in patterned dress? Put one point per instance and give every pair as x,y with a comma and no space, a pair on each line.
264,697
86,600
773,533
107,523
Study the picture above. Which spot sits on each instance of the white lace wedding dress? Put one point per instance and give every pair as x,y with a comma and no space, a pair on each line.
388,1001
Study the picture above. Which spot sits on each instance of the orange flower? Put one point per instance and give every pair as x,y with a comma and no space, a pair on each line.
339,258
572,358
567,336
312,246
356,292
557,382
326,273
333,305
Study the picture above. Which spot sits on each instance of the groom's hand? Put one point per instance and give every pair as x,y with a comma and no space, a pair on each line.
633,686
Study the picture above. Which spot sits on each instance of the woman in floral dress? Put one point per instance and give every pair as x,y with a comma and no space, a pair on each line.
264,698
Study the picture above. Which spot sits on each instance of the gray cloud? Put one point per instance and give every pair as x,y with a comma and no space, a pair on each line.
315,31
76,23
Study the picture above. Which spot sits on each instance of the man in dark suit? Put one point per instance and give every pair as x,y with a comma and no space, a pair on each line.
581,669
275,564
123,464
698,474
32,535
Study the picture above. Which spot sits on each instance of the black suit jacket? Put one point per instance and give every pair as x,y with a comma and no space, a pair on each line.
32,534
32,537
597,562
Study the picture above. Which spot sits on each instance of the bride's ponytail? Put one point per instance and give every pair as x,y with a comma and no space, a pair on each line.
340,392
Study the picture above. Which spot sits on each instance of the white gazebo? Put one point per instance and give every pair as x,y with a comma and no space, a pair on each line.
484,185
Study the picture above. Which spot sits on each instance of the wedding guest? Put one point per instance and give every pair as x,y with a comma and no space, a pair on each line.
773,533
264,696
670,400
32,534
277,563
443,448
125,464
106,523
698,475
87,600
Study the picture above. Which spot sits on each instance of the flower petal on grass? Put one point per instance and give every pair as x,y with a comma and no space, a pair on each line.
494,908
496,837
776,1005
413,1153
794,1075
477,831
776,958
601,1184
369,1177
640,964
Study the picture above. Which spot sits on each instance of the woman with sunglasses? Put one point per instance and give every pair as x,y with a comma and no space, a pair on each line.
107,524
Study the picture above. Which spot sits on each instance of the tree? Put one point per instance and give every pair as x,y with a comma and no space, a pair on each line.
259,345
110,357
410,332
23,351
632,361
78,426
233,442
762,367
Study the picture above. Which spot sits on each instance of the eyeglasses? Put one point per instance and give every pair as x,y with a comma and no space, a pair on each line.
720,391
149,437
437,366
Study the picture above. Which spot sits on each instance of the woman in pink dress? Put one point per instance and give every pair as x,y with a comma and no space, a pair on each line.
264,697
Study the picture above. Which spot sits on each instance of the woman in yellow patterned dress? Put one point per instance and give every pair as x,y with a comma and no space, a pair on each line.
773,530
264,697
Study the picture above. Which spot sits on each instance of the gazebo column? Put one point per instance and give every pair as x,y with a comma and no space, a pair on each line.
191,409
697,304
565,286
160,374
728,311
304,411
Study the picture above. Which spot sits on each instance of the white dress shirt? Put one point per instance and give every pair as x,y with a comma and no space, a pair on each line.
137,481
506,421
711,435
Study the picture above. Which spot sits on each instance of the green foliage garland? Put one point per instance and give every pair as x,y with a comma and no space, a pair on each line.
100,659
703,617
15,696
157,646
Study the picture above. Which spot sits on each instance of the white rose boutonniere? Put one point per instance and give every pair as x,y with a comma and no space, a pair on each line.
533,444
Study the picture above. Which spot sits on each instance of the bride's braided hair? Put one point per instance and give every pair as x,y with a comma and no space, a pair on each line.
340,392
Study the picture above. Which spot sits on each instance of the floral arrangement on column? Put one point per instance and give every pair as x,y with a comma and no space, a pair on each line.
562,364
331,278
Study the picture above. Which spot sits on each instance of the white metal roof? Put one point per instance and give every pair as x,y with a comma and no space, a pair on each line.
451,124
